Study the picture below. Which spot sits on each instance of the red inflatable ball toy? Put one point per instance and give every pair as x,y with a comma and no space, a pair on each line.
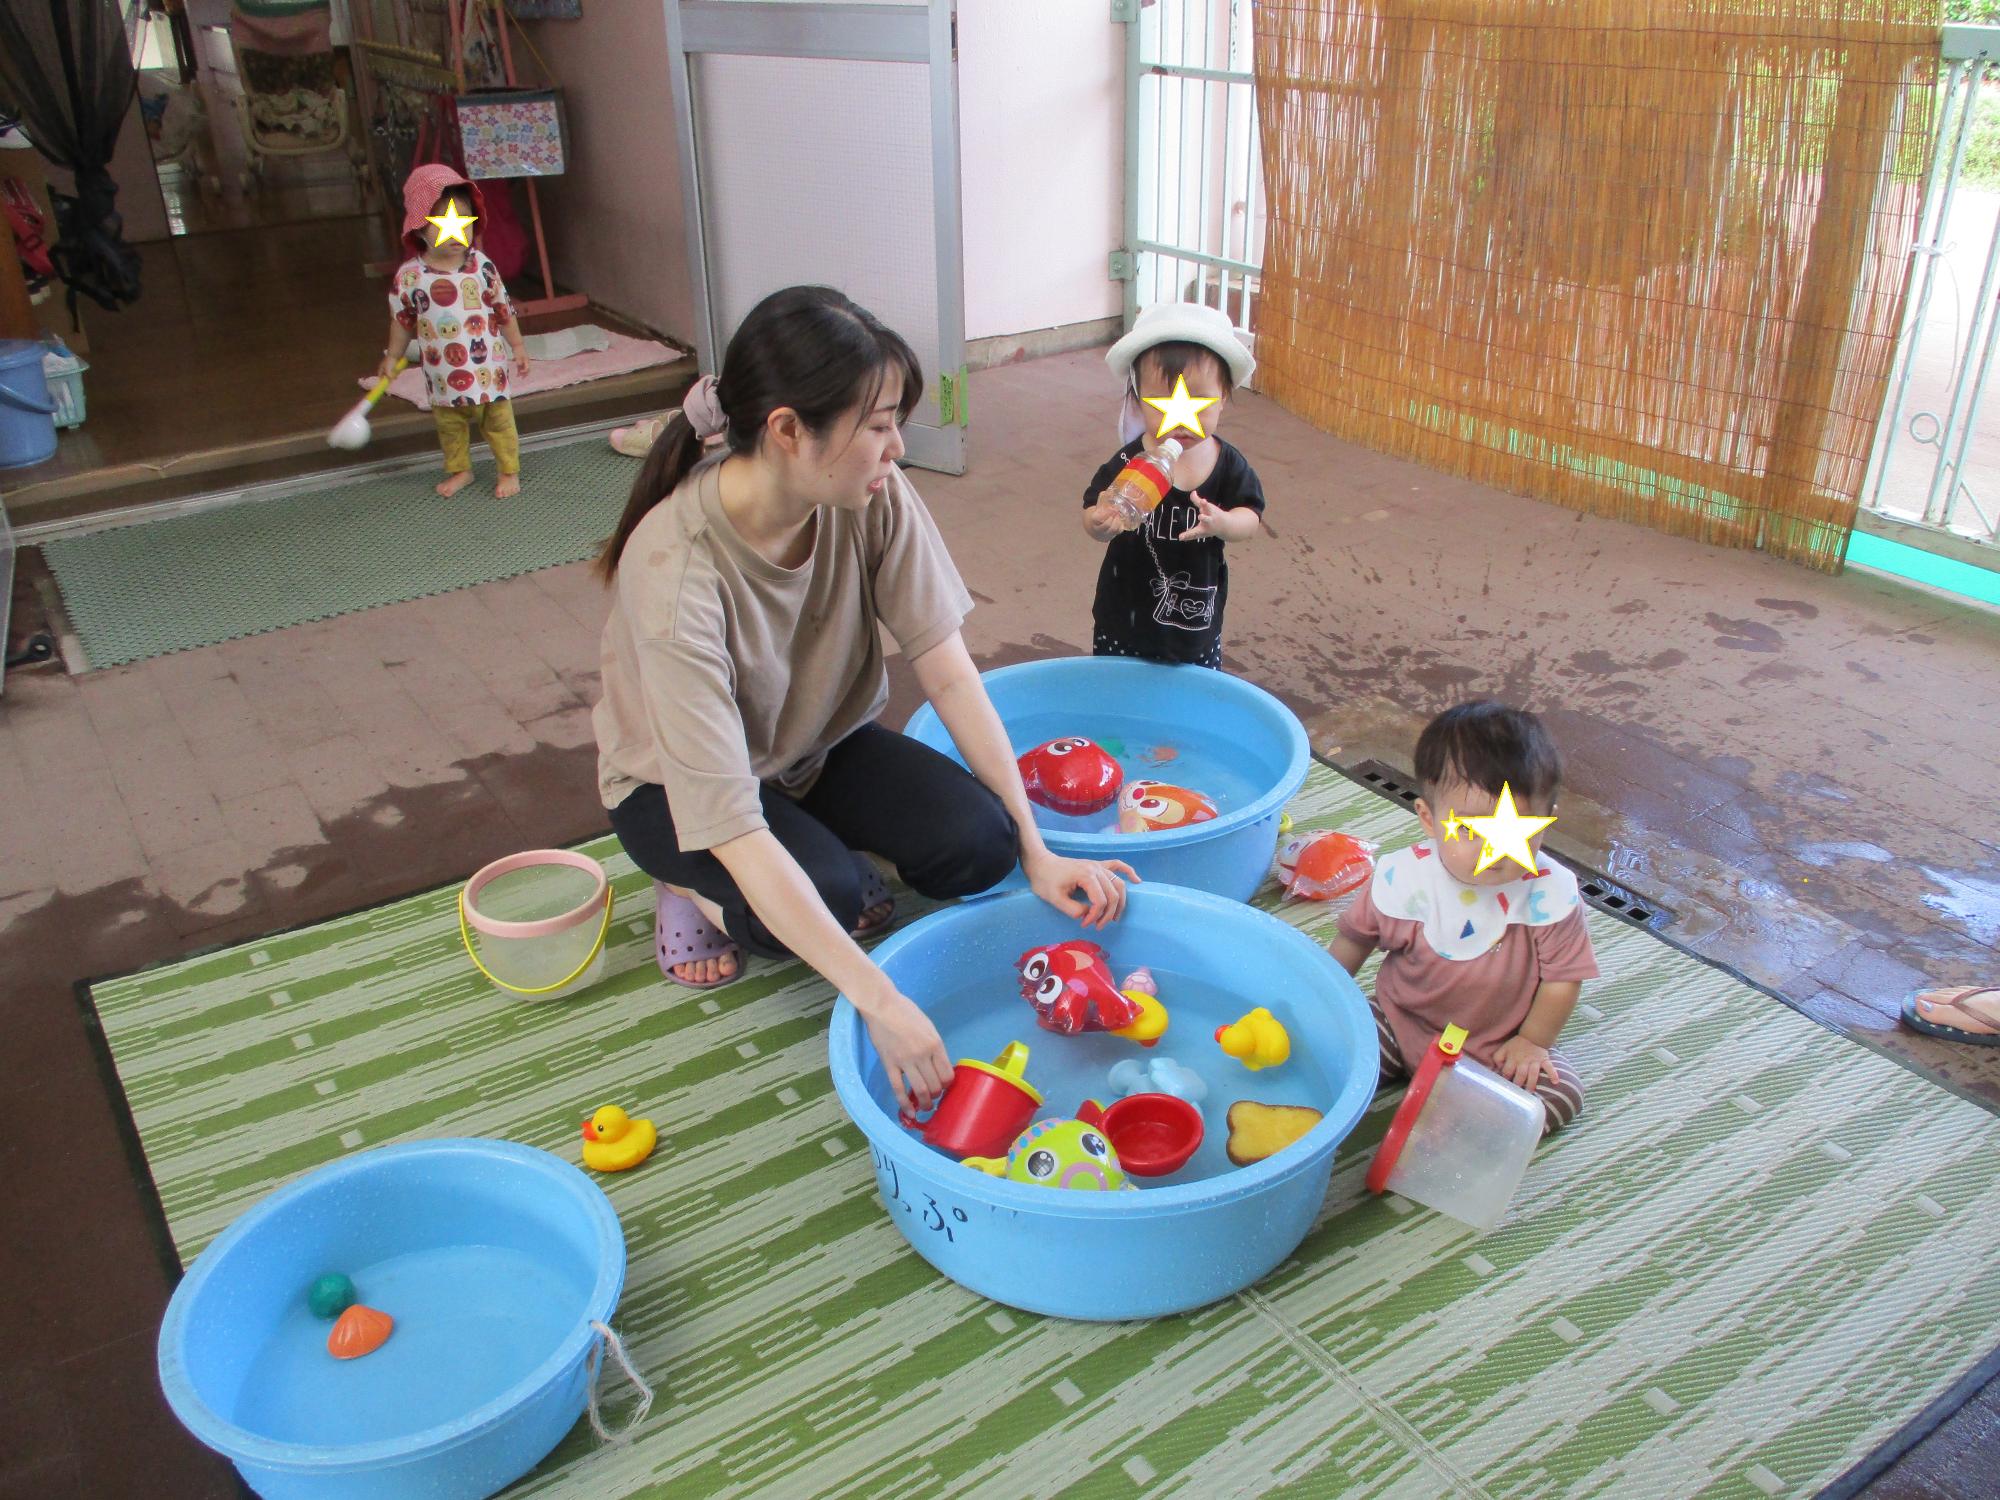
1324,866
1071,776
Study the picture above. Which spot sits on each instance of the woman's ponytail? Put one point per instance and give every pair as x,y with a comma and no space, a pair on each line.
672,457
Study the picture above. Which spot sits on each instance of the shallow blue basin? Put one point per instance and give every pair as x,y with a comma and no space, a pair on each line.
1189,726
1205,1232
493,1258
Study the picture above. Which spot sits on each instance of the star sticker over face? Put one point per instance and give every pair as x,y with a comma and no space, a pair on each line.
1180,409
453,225
1505,832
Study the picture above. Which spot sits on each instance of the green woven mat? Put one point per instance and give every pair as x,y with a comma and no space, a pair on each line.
1710,1286
145,590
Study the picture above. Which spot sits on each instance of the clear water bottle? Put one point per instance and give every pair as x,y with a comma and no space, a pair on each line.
1144,481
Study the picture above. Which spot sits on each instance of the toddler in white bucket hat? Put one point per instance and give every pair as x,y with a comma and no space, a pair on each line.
1174,323
1162,586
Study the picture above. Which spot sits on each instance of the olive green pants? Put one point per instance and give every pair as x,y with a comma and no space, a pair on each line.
495,420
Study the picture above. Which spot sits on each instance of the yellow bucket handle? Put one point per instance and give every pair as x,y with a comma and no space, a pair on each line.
465,936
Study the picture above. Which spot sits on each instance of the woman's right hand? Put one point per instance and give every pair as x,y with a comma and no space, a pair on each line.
912,1052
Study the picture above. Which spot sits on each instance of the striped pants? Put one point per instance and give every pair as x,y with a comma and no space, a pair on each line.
1562,1100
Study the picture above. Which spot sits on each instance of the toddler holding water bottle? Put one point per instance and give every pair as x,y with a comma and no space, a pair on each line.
1502,953
1165,506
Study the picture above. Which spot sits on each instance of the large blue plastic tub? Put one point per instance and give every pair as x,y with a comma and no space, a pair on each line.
1205,1232
493,1258
1228,738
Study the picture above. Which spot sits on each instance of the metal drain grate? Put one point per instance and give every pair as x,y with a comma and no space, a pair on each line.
1389,783
1599,889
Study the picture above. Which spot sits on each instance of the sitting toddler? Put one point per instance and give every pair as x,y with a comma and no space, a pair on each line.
1502,953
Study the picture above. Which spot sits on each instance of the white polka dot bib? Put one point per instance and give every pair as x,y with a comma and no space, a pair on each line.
1462,921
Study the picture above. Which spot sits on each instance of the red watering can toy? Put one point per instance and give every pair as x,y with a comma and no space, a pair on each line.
984,1106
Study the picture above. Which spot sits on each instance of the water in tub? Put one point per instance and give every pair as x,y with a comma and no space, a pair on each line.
1149,750
471,1320
981,1017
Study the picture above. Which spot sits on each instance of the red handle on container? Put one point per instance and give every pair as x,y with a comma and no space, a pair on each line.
1440,1057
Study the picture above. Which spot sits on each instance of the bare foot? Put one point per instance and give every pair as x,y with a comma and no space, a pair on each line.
1963,1013
453,483
874,917
707,970
508,487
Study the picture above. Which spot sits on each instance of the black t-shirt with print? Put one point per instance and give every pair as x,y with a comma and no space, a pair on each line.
1169,611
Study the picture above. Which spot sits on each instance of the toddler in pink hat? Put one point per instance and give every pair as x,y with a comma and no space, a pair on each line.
449,312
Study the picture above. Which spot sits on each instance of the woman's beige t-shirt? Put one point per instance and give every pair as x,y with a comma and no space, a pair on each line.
722,671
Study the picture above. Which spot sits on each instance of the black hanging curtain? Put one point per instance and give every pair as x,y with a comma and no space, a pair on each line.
66,70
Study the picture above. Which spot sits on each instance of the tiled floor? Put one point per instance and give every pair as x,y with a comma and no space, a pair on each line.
1800,767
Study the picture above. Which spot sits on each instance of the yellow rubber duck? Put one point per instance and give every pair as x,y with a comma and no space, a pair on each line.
1257,1040
1143,991
1152,1022
614,1142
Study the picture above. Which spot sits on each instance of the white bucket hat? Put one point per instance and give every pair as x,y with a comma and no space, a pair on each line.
1182,322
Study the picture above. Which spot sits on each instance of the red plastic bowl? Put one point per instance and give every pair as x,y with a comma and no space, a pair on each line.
1153,1134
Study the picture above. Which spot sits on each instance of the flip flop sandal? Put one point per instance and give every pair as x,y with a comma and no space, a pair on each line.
1953,1000
874,892
684,936
637,440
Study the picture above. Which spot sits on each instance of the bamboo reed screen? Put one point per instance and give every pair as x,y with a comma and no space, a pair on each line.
1643,258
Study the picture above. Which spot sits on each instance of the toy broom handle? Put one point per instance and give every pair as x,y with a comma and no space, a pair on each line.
375,391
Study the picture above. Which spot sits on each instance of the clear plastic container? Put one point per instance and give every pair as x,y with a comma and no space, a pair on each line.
1144,481
535,923
1461,1139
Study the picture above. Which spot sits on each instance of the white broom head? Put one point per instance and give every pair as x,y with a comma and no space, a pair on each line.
351,431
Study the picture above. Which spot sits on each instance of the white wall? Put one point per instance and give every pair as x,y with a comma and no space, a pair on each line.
1041,132
614,220
1041,113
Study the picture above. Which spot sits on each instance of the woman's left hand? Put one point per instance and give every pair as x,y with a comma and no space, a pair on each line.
1058,880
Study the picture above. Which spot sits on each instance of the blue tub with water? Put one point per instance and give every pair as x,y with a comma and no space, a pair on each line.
1189,726
493,1258
1180,1241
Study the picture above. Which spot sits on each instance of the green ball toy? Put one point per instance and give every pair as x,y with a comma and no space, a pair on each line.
330,1296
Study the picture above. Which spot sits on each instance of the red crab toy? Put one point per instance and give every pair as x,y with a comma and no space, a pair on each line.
1069,985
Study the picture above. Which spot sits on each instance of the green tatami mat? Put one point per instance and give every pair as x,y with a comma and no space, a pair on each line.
1760,1253
170,585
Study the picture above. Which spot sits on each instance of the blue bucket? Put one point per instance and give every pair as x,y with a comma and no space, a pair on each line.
27,415
1227,738
493,1258
1201,1234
